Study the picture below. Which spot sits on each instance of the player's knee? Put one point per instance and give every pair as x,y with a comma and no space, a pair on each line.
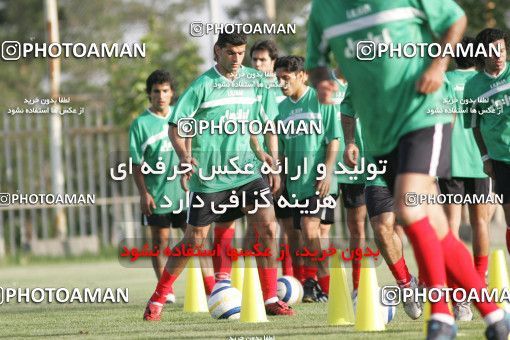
382,230
407,215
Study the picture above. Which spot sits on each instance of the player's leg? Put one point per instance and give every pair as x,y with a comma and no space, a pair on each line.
380,209
353,197
224,231
426,224
263,222
310,226
502,174
284,244
479,218
453,211
285,220
198,221
159,237
295,242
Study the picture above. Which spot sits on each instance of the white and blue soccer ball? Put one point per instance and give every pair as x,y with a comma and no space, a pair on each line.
289,290
388,313
224,301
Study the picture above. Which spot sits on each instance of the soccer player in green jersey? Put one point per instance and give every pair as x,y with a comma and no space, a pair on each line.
149,144
468,178
490,89
393,98
305,185
226,92
380,207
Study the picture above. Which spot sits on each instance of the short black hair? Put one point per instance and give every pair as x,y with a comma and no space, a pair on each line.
235,39
159,77
488,36
265,45
291,63
468,61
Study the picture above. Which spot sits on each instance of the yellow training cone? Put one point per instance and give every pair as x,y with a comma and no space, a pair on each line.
340,310
498,275
252,303
368,313
238,274
195,300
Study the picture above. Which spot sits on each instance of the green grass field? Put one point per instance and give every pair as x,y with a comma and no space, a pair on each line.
125,320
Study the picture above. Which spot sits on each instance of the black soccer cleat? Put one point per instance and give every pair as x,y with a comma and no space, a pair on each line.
309,290
438,330
499,330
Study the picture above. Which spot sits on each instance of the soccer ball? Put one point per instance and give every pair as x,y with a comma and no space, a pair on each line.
289,290
387,312
225,301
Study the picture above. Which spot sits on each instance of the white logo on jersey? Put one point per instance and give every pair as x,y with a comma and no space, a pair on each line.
166,146
238,115
358,11
384,37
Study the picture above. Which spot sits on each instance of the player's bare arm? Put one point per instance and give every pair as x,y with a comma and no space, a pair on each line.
351,152
433,77
331,152
320,79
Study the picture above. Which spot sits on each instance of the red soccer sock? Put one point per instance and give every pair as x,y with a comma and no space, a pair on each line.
209,282
481,266
310,272
400,272
287,265
324,283
164,287
430,259
462,272
268,277
508,239
222,263
356,271
299,272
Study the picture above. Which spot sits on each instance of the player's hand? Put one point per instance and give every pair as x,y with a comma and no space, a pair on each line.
488,169
147,204
274,183
325,91
351,155
184,183
187,160
322,186
265,157
431,80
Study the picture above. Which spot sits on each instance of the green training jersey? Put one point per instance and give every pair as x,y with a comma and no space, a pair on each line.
466,160
338,98
213,99
383,89
149,143
312,147
491,97
347,110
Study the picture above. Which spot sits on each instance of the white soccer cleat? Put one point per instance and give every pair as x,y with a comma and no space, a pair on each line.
413,308
170,298
462,311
